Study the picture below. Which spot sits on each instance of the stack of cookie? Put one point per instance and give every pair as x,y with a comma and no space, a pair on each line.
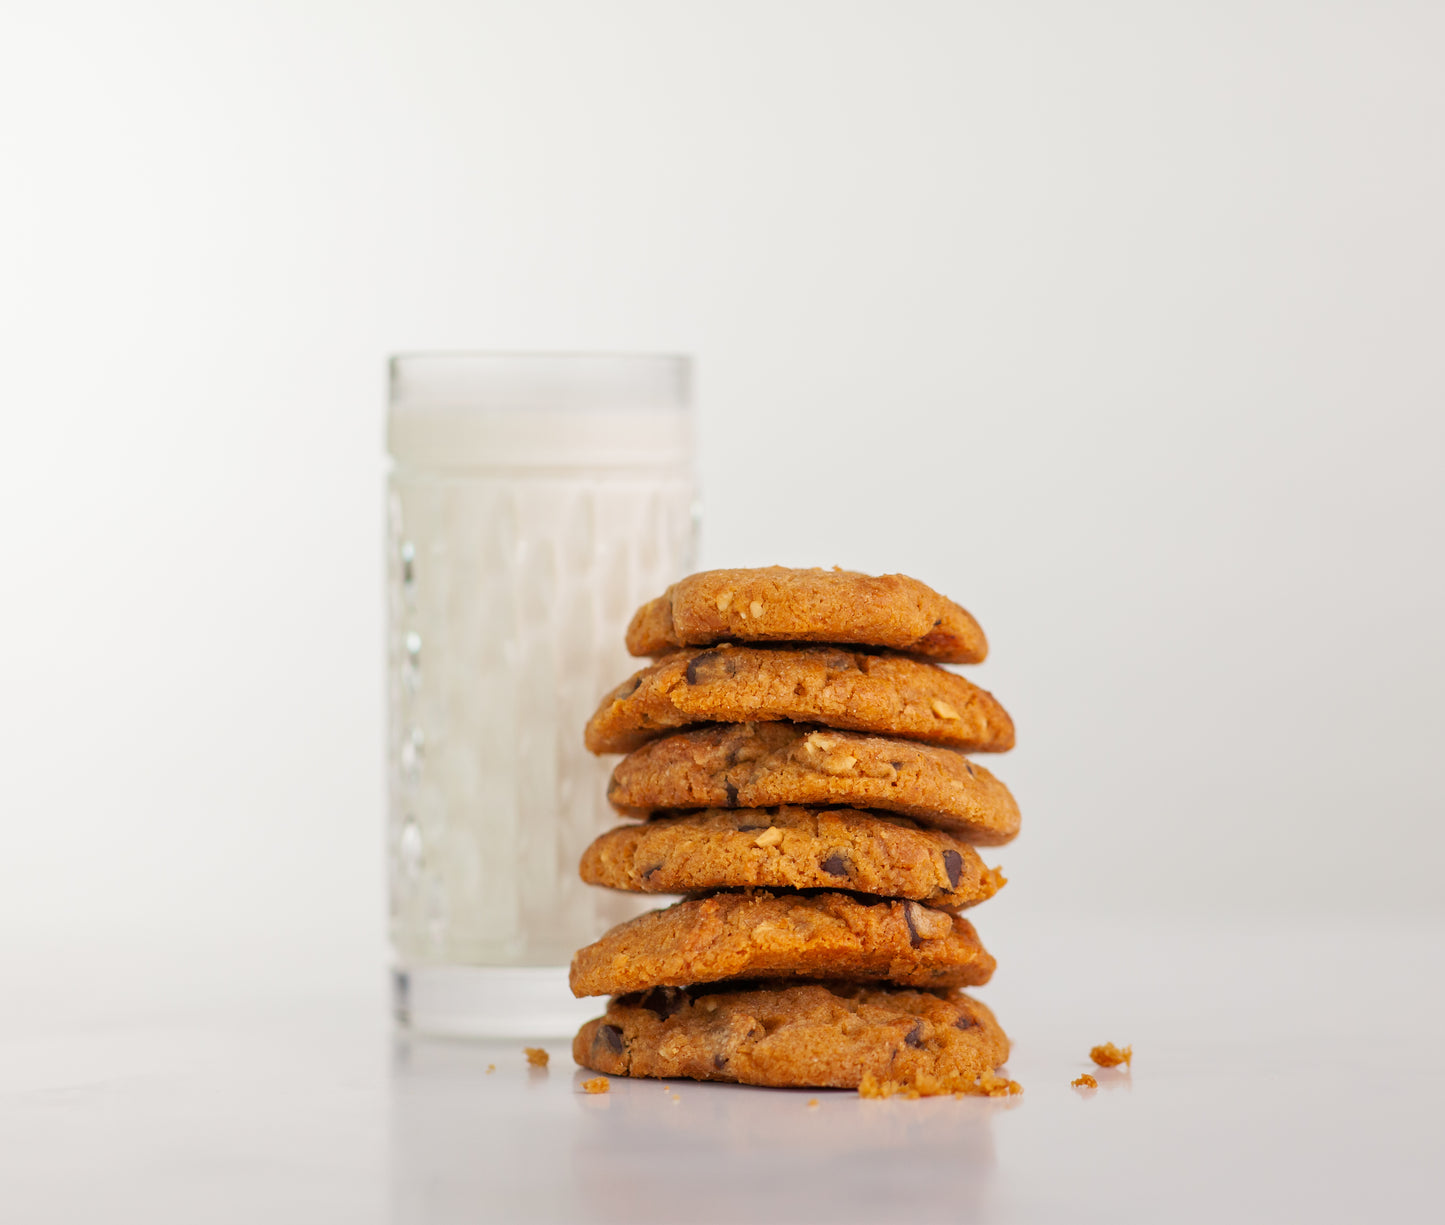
796,754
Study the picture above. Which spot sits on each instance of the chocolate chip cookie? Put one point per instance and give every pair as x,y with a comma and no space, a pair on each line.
761,765
831,1035
890,694
775,604
791,848
783,935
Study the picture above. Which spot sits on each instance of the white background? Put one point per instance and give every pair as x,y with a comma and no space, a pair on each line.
1119,323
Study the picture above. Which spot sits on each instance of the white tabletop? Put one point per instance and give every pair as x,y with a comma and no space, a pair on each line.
1282,1072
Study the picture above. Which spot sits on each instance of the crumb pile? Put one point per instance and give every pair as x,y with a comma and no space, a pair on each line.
795,764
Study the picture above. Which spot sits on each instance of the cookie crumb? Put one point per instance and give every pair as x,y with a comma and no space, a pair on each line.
598,1084
1084,1081
871,1086
1109,1056
536,1056
491,1067
812,1103
998,1086
675,1099
924,1085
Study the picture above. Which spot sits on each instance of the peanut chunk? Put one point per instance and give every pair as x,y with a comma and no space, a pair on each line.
928,923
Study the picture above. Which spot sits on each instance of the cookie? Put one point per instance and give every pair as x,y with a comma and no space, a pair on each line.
890,694
776,604
783,935
762,765
791,848
830,1035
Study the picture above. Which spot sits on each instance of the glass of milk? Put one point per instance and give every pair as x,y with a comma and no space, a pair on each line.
534,502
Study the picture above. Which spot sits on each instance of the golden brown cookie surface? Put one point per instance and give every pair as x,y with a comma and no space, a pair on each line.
776,604
886,693
763,765
787,935
824,1034
791,848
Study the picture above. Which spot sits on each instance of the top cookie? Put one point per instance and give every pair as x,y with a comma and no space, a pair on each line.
775,604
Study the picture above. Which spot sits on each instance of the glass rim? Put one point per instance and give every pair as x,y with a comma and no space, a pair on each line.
539,355
567,381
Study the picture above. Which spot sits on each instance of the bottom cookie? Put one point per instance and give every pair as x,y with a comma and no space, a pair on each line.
829,1035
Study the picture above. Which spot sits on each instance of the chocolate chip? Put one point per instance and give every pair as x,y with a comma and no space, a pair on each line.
657,867
937,623
609,1036
627,688
613,787
968,765
747,824
719,1062
964,1022
836,864
953,863
913,937
710,666
664,1001
914,1037
732,793
897,765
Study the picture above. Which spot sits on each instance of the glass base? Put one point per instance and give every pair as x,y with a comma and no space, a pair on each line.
489,1001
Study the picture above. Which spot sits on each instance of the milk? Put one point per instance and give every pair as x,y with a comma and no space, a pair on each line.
526,523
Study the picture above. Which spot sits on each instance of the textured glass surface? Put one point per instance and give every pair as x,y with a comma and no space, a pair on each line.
509,597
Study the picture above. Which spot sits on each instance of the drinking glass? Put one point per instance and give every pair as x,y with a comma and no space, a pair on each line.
534,501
